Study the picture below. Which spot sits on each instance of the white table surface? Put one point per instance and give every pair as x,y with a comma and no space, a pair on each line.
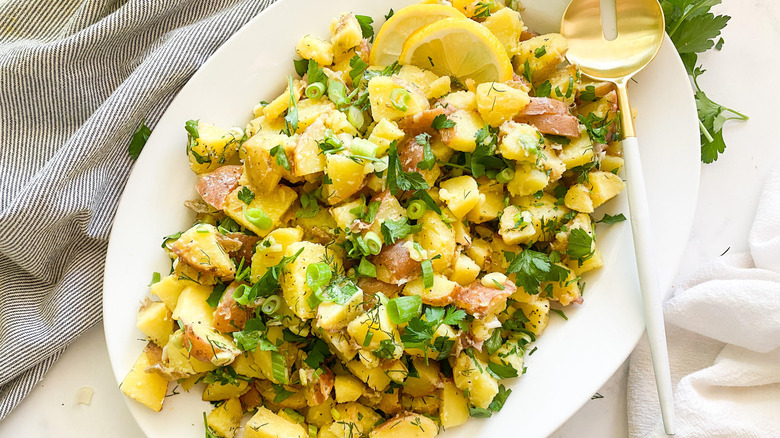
743,76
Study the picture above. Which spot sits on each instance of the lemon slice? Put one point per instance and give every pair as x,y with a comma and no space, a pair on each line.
460,48
390,39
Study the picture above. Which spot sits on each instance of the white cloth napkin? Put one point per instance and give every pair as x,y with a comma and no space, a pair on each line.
723,333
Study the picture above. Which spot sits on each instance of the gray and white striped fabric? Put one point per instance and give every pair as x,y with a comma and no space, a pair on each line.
76,79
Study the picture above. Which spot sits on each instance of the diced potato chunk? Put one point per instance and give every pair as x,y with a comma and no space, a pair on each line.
611,163
200,248
354,419
346,176
270,251
332,316
517,226
309,110
306,158
454,408
345,32
155,321
528,180
551,50
463,100
348,389
384,133
437,238
441,294
498,103
274,203
578,198
460,193
144,386
465,270
432,85
538,314
408,425
375,378
462,136
472,374
168,289
427,380
310,47
578,152
384,90
213,147
377,322
266,424
217,391
192,307
604,186
293,280
282,102
520,141
226,418
507,26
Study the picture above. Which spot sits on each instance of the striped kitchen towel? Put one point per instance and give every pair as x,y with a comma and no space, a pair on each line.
76,79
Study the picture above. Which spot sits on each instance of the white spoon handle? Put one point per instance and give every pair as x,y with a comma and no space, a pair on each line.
648,280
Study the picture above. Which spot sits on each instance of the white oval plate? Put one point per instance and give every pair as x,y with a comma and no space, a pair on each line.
573,358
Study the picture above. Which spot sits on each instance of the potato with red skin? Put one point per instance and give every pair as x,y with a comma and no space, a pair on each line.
247,248
320,390
214,186
229,316
208,345
371,286
481,301
411,152
550,116
251,399
395,265
421,122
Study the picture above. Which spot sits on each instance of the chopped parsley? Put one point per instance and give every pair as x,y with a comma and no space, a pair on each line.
442,122
533,268
609,219
365,26
137,143
429,160
397,179
246,195
278,153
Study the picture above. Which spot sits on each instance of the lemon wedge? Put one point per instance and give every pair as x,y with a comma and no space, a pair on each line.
390,39
458,47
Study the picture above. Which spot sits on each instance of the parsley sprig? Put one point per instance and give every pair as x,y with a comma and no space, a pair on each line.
694,30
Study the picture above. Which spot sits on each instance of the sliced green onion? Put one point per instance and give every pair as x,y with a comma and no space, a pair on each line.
505,175
403,309
361,245
427,273
315,90
314,300
373,242
294,415
279,367
337,92
331,140
312,431
381,165
355,117
400,99
416,209
318,275
366,268
242,294
258,218
363,148
271,305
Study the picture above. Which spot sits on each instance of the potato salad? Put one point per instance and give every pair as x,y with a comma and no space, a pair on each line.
375,253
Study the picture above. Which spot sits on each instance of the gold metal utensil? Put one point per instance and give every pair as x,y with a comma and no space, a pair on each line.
640,32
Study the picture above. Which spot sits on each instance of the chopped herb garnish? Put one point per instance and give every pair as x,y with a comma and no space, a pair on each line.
280,156
246,195
137,143
609,219
365,26
533,268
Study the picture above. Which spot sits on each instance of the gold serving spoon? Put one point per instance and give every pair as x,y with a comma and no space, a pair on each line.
640,32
